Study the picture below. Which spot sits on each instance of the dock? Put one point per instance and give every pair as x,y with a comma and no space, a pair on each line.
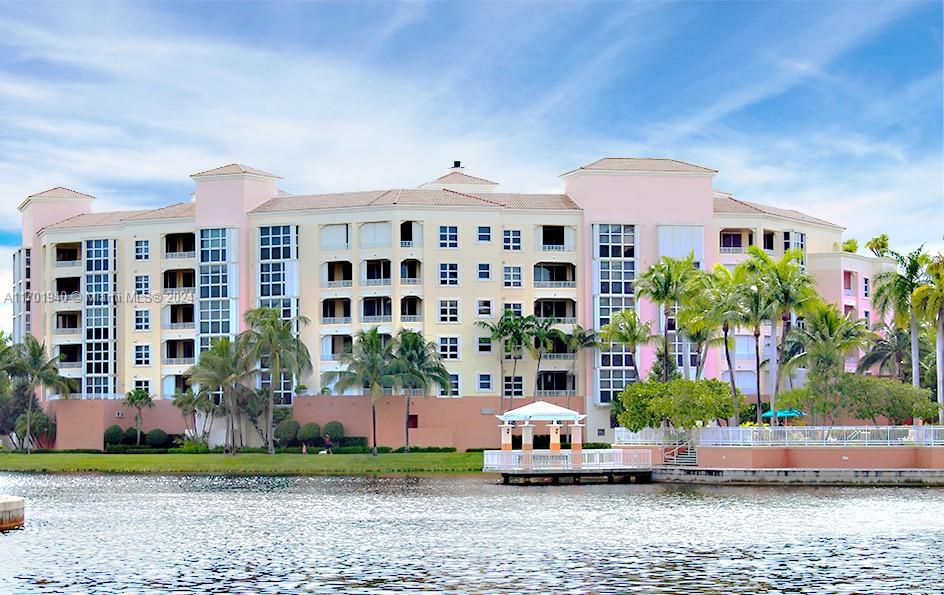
12,512
576,466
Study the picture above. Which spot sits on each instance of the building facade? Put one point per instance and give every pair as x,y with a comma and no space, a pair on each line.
130,299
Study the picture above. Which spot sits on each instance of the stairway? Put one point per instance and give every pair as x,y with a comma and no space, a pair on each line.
682,455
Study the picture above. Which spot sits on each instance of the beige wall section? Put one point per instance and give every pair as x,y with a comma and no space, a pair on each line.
468,255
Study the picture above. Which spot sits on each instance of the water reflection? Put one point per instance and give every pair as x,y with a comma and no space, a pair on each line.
467,534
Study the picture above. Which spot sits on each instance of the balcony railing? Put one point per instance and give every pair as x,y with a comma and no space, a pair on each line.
411,318
69,365
407,243
848,292
335,320
554,284
330,357
71,330
734,249
790,436
556,248
176,326
375,282
556,393
179,255
411,280
562,460
560,319
336,284
178,361
375,319
187,289
68,263
559,356
87,396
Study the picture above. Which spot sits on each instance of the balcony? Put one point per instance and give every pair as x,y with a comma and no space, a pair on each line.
376,319
330,357
177,326
556,393
64,264
178,361
376,282
69,330
555,238
411,281
337,284
560,356
69,365
848,292
336,320
180,255
179,246
406,243
555,284
733,250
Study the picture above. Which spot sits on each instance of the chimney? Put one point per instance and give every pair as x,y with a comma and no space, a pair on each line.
456,165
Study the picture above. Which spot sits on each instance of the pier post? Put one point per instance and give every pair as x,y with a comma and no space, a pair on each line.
12,512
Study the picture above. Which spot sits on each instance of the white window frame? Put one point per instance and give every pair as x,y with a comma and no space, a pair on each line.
483,302
488,271
488,234
447,341
450,304
511,240
142,284
482,342
512,276
144,322
479,376
142,354
449,237
142,250
444,274
517,386
455,387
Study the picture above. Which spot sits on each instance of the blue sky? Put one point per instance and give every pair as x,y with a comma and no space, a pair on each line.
832,108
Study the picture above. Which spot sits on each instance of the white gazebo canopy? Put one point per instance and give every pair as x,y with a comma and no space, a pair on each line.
541,411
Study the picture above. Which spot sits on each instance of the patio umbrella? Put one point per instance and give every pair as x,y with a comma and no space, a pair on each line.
784,413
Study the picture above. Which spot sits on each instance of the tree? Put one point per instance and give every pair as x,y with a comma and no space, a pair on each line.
40,425
758,308
888,349
851,245
665,283
30,361
626,329
928,301
788,288
724,302
272,341
868,397
418,364
225,369
878,245
500,332
139,399
189,404
579,340
368,365
663,367
894,290
827,337
681,403
541,337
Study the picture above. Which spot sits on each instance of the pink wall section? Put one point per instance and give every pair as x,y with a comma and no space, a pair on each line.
894,457
442,422
82,423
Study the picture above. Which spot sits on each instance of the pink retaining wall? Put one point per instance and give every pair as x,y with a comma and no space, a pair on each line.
871,457
441,422
82,423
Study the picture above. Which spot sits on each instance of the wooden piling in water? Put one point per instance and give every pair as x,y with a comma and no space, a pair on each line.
12,512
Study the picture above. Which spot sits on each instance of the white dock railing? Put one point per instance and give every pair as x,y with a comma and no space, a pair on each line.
567,460
791,436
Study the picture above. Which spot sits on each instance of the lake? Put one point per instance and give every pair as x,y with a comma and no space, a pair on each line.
151,534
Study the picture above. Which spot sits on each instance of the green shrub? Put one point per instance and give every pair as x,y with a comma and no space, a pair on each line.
336,430
310,434
157,438
427,449
128,449
190,447
114,434
358,450
280,414
349,441
130,437
286,431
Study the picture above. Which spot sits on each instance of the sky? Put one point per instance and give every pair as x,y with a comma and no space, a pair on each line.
831,108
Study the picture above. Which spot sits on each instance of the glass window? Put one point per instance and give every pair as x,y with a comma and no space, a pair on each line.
275,242
511,239
142,355
512,276
271,279
483,308
484,382
485,345
448,236
513,386
484,271
214,281
142,320
144,385
865,287
515,308
484,233
448,274
212,245
449,347
453,387
142,250
142,284
448,310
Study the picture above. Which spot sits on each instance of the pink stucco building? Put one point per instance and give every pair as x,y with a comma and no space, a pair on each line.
438,258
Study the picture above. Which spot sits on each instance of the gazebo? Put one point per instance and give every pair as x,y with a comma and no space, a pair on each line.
555,415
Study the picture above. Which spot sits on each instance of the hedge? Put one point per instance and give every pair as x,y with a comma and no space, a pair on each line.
427,449
310,434
114,434
336,430
157,438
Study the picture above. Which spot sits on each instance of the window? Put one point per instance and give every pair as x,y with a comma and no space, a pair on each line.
865,287
144,385
514,307
142,250
730,240
275,243
616,241
512,277
448,310
769,241
142,355
142,284
448,236
866,315
453,387
613,381
449,347
611,305
511,239
212,245
271,279
214,281
214,317
484,233
483,308
449,274
616,276
484,271
513,386
483,382
142,320
485,345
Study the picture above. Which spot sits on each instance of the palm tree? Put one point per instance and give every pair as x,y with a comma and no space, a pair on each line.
626,329
826,338
542,334
788,287
273,340
888,350
894,290
665,283
31,362
139,399
724,303
369,364
226,368
418,365
578,340
498,332
758,308
928,301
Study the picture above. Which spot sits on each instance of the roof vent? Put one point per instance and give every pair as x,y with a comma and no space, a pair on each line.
456,164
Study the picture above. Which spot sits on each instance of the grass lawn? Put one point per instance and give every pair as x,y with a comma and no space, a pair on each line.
246,464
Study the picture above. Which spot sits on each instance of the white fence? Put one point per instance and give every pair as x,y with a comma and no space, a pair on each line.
790,436
567,460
